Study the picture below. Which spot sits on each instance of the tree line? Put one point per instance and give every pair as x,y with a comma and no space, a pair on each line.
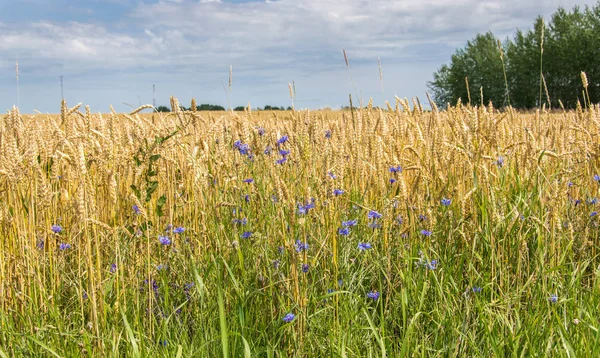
213,107
541,66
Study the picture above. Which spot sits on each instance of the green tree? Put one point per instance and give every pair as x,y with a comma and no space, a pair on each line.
480,63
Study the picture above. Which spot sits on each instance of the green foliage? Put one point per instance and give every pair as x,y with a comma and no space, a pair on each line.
571,45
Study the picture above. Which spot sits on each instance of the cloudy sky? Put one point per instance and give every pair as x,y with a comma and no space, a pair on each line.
113,51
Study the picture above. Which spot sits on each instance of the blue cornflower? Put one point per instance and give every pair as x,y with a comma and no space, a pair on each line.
40,244
500,161
113,268
300,246
362,246
374,295
247,198
374,214
268,150
392,180
597,177
57,229
136,210
246,234
64,246
431,265
248,181
243,148
446,202
593,213
331,175
242,221
397,169
476,289
553,298
261,131
422,217
281,161
305,268
577,202
570,184
85,295
399,220
593,201
344,231
338,192
163,343
284,152
349,223
164,240
289,317
303,209
328,134
178,230
425,232
282,140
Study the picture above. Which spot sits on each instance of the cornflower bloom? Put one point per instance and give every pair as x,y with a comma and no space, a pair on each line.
500,161
281,161
164,240
246,235
349,223
113,268
136,210
425,232
553,298
338,192
397,169
57,229
300,246
242,221
248,181
178,230
284,152
305,268
362,246
282,140
374,295
446,202
64,246
344,231
289,317
374,215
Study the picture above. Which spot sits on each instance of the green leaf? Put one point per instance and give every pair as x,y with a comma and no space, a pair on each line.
136,191
154,157
160,204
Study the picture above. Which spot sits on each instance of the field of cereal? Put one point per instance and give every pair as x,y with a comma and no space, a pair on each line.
394,232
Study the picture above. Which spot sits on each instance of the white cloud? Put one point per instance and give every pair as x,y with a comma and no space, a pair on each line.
268,42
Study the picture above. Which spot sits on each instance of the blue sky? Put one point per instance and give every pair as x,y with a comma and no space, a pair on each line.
111,52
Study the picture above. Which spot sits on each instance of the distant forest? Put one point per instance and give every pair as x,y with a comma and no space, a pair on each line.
212,107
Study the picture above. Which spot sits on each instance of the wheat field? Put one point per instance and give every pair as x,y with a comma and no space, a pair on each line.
394,232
